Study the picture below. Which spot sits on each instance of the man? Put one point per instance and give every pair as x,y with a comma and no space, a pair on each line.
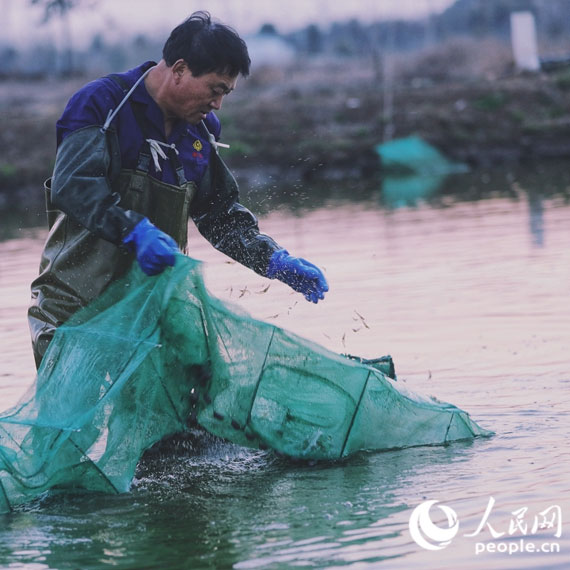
137,155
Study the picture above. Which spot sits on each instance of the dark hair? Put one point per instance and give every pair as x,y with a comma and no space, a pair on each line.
207,47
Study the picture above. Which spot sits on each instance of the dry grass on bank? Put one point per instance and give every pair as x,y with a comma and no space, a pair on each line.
323,117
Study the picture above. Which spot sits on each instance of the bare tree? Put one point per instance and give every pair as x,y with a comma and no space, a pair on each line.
56,7
61,9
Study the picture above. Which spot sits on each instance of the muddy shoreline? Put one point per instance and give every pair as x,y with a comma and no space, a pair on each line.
321,123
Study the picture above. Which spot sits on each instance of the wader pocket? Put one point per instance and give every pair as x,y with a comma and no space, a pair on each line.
165,205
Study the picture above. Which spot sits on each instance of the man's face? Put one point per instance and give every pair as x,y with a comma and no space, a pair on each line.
192,98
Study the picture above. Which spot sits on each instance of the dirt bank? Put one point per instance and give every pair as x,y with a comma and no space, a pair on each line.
321,120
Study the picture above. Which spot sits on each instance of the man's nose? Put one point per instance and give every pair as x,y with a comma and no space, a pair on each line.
216,103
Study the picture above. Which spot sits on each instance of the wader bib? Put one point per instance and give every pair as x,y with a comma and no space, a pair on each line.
77,265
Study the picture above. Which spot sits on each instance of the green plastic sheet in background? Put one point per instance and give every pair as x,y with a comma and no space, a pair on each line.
153,355
414,156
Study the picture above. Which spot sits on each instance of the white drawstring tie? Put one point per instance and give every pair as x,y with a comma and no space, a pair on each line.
156,151
212,139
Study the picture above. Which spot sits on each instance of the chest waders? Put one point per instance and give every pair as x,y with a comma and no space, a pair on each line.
77,265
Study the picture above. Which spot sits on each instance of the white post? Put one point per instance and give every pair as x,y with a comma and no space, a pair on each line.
523,40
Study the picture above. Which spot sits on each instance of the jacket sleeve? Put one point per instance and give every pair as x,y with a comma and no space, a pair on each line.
87,160
230,227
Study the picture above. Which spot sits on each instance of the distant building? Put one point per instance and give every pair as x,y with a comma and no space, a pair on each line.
268,48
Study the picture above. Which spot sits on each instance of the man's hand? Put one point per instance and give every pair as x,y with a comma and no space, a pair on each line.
154,249
299,274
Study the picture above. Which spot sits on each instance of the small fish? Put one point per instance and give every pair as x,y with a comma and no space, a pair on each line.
264,290
291,307
362,319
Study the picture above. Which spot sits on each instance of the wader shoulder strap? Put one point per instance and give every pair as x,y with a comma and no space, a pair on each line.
120,81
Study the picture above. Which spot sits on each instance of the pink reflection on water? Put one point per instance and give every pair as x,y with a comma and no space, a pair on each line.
454,294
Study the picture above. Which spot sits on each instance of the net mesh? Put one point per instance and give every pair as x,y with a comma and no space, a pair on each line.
152,356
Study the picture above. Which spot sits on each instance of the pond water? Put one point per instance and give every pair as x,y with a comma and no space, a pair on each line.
467,290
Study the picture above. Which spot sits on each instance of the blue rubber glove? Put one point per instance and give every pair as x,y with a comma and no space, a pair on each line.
154,249
299,274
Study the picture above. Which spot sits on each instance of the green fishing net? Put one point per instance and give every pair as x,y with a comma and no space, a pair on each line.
152,356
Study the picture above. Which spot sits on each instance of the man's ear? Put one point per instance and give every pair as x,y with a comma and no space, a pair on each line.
178,68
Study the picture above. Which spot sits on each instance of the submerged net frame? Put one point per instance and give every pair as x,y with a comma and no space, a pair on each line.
154,355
